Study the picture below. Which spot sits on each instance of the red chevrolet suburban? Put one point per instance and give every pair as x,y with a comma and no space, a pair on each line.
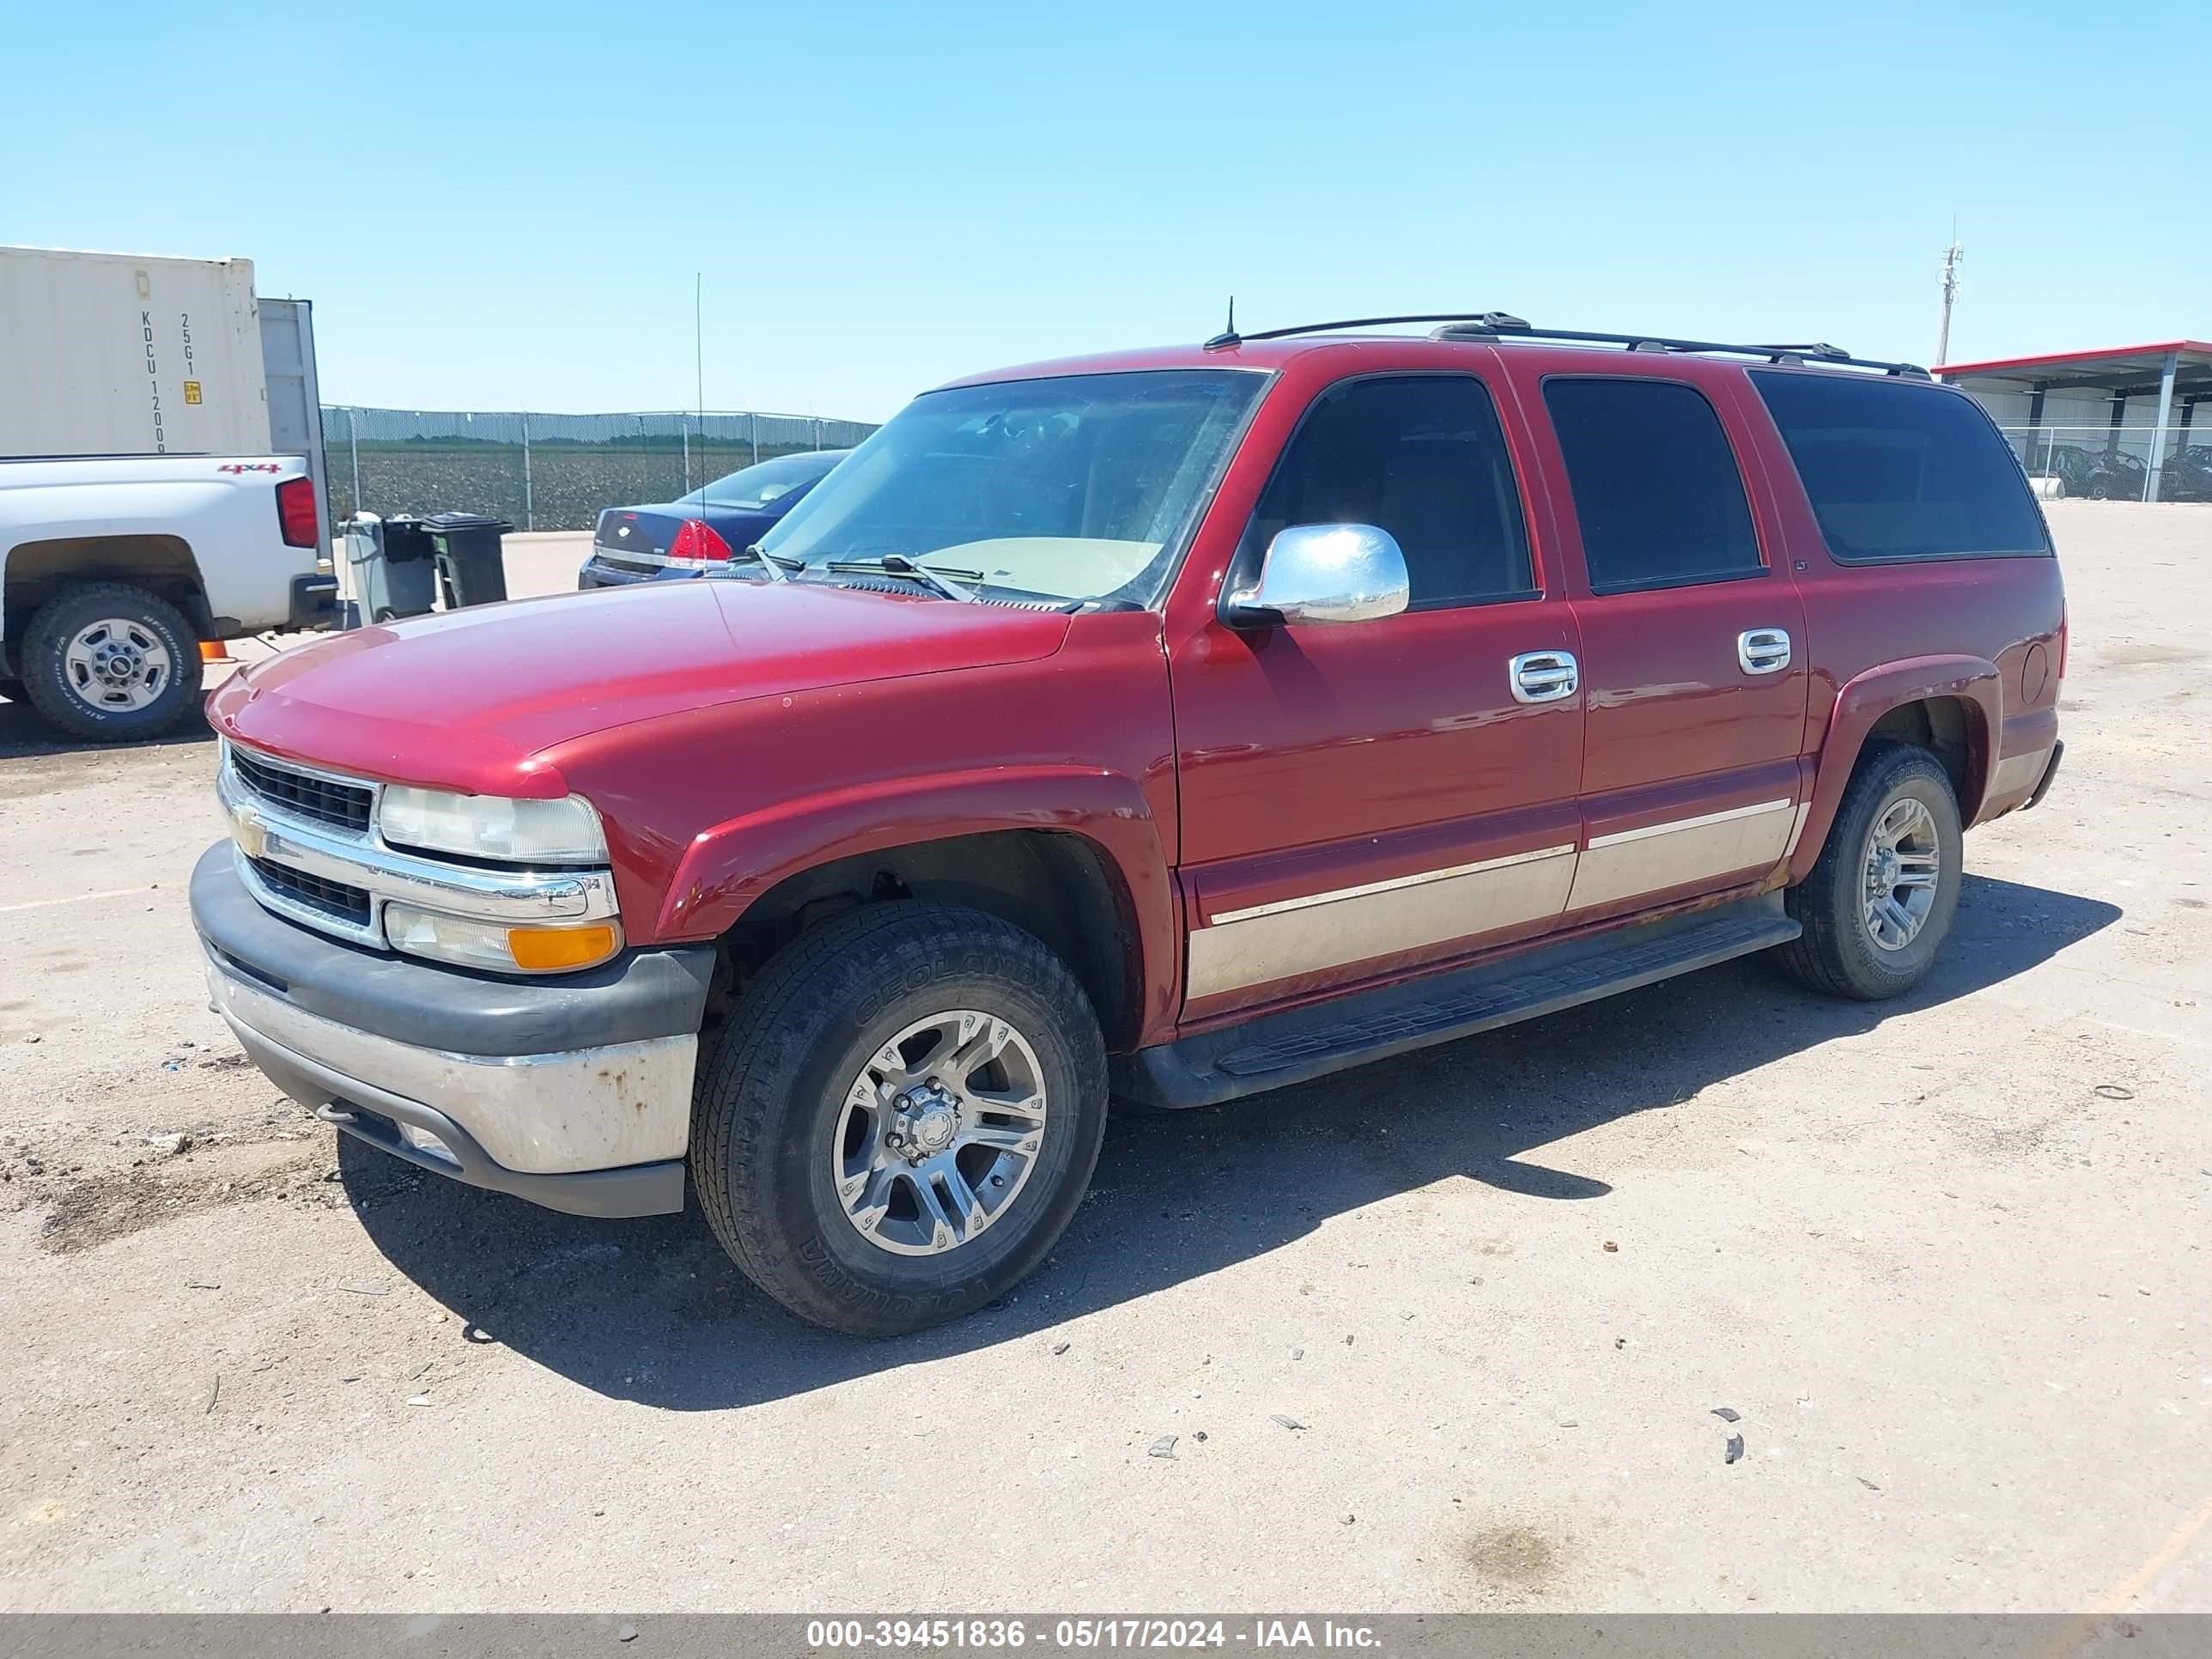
1169,727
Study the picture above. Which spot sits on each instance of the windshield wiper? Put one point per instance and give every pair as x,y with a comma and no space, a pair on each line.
899,564
774,563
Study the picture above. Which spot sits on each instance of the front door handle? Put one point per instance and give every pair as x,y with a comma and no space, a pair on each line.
1543,676
1763,650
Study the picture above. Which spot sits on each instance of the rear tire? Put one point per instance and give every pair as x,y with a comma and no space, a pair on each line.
831,1147
110,662
1868,933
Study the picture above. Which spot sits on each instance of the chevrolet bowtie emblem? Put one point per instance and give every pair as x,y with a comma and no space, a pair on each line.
250,834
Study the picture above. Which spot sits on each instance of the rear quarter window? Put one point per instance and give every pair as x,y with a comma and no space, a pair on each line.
1658,497
1897,471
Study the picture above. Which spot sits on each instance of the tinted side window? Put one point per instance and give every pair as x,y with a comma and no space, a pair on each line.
1898,471
1656,490
1422,457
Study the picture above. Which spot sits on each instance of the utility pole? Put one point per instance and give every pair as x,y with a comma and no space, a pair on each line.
1952,255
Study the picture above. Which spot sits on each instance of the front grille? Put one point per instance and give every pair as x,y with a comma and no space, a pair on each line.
331,898
345,805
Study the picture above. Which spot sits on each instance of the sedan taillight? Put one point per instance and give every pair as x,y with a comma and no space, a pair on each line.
697,545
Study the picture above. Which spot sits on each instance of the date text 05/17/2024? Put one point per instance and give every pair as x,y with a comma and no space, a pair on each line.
1082,1634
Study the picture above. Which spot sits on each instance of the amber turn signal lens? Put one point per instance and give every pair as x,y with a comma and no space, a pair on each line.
548,949
214,651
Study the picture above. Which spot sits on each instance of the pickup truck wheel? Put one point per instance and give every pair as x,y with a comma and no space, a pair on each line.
110,662
900,1117
1879,902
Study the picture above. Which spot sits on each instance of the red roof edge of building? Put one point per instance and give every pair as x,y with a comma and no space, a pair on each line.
2055,358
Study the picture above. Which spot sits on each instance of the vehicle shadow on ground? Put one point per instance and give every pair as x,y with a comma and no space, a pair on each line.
654,1311
24,733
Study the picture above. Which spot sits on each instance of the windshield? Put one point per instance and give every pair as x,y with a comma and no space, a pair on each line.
1073,488
757,486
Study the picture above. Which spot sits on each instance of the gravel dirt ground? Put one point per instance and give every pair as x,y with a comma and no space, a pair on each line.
1448,1332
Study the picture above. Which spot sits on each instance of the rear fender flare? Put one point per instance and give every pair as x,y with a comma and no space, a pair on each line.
728,867
67,555
1862,700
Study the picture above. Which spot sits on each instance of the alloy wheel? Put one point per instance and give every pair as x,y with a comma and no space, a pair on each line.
939,1133
1903,863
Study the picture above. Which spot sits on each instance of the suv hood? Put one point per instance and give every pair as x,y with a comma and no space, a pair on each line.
466,699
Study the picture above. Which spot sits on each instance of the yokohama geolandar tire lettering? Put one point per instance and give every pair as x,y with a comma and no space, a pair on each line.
1878,904
812,1072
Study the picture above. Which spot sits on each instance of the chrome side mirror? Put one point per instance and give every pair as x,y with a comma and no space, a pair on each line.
1323,573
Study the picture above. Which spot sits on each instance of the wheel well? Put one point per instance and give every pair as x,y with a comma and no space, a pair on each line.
1948,728
1060,887
37,571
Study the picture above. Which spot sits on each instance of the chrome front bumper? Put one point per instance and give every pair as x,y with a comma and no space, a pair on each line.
574,1093
585,1109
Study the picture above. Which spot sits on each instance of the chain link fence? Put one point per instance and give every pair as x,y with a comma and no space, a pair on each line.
2107,463
547,471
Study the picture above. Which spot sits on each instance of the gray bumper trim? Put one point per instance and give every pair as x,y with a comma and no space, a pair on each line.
550,1113
640,1189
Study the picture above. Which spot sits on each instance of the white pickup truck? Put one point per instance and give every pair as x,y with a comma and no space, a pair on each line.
112,570
161,458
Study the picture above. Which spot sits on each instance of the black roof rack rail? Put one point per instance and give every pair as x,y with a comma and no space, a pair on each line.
1500,325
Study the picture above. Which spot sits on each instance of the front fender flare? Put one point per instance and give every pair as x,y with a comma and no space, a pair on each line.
728,867
1863,700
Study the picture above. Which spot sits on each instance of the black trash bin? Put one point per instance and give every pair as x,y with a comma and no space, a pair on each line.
471,562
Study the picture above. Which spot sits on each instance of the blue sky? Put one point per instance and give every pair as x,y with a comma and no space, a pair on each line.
502,206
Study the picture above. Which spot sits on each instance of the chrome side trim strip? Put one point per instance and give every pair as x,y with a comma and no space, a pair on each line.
1335,894
1797,827
1674,854
1378,920
1676,826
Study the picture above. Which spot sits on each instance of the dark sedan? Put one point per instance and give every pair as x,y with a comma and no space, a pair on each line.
694,533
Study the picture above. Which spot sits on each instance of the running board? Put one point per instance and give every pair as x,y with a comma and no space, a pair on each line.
1277,1050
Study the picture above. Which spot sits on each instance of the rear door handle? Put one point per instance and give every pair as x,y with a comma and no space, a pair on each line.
1543,676
1763,650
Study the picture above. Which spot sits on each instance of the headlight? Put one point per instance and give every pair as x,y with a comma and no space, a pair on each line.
502,950
493,827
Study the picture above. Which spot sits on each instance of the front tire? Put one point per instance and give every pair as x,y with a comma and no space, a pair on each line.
1878,904
900,1117
110,662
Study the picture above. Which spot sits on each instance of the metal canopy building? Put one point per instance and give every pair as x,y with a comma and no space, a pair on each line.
2118,423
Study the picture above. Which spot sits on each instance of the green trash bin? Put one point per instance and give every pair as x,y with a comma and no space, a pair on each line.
471,564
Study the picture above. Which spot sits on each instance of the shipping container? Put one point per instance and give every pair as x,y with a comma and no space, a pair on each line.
108,354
